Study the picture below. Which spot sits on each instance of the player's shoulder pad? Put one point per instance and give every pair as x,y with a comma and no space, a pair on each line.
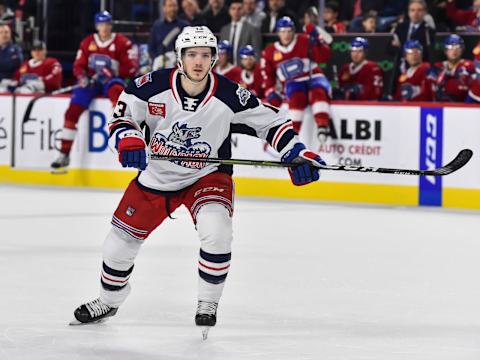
234,96
150,84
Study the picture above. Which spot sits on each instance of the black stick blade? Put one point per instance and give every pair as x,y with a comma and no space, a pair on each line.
460,161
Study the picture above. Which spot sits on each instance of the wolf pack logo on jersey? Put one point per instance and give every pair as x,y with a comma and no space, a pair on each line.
143,80
180,143
243,95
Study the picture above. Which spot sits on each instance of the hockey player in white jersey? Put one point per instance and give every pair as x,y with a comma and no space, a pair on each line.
187,111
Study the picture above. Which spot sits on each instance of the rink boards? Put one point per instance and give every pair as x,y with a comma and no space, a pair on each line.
365,134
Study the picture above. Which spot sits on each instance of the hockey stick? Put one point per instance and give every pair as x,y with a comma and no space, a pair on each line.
460,160
32,102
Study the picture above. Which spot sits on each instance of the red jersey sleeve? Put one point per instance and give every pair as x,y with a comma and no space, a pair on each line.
53,74
127,58
268,70
80,66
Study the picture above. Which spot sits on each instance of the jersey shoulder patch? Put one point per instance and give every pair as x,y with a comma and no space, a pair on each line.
150,84
234,96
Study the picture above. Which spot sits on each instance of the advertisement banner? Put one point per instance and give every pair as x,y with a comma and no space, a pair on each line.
362,135
431,146
6,105
38,140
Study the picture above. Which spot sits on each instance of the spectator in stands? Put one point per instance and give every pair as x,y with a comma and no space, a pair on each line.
277,10
369,22
239,32
191,13
251,77
216,15
350,9
469,18
40,73
161,43
455,74
330,18
361,79
415,28
6,14
224,64
252,14
417,82
10,55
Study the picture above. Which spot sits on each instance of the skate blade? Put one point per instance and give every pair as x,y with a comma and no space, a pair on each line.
59,171
75,322
205,330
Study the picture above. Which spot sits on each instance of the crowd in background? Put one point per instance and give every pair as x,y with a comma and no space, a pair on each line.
242,23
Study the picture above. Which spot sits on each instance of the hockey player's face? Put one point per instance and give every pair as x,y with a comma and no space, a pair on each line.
413,57
39,54
453,53
104,29
286,36
357,56
196,62
248,62
222,58
5,34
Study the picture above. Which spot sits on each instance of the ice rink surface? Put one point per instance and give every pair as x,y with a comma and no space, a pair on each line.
308,281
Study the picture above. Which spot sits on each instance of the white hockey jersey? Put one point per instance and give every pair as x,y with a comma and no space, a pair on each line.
200,126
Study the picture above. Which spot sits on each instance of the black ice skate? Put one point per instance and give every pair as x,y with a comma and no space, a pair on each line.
206,316
92,312
59,166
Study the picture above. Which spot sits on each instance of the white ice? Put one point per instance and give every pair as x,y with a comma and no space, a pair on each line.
308,281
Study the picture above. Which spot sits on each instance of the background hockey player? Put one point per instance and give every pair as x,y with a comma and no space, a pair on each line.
454,74
189,112
224,65
10,58
40,73
250,76
293,60
361,79
474,88
103,61
417,82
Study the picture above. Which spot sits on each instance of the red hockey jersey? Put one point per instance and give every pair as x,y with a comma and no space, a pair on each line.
118,54
416,84
49,70
362,82
252,81
231,72
293,61
452,84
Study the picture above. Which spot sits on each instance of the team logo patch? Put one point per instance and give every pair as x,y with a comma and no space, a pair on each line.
92,47
277,56
180,143
243,95
403,78
143,80
157,109
476,50
130,211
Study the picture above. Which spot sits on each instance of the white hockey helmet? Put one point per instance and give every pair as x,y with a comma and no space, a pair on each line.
195,36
